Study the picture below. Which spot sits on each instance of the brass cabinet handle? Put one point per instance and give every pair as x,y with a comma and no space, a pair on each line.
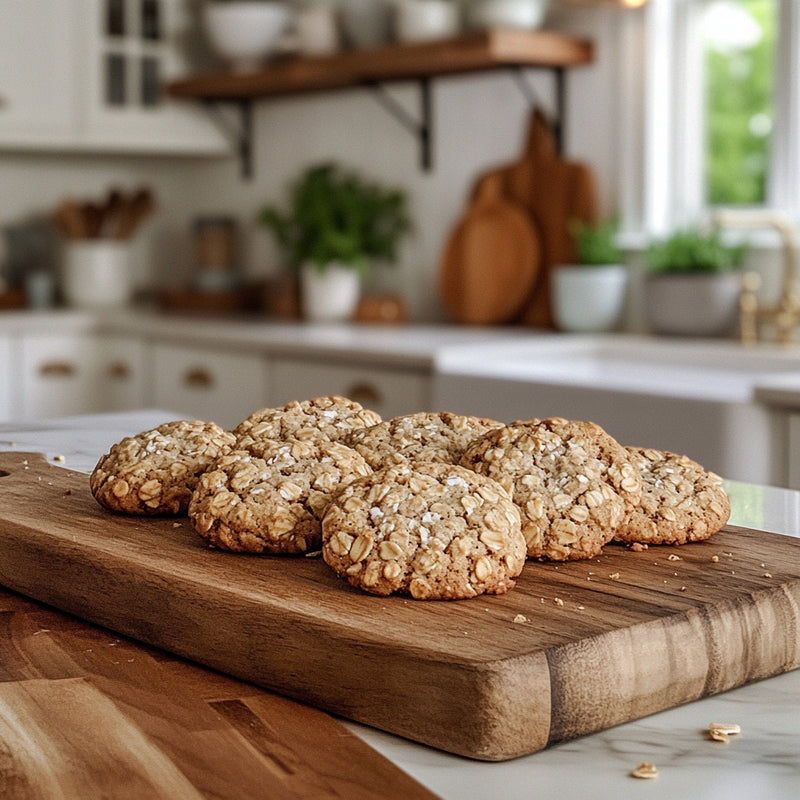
57,369
198,378
119,371
364,393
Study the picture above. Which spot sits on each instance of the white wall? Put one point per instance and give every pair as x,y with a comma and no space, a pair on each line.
479,122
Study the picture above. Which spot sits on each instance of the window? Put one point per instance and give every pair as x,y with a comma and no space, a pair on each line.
133,53
721,108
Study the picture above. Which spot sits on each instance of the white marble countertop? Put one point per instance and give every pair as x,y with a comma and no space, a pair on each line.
763,763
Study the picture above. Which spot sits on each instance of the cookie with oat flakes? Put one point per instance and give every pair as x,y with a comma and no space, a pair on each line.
574,484
681,502
272,499
331,417
432,531
156,471
424,436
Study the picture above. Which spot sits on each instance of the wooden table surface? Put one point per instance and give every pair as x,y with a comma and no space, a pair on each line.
86,713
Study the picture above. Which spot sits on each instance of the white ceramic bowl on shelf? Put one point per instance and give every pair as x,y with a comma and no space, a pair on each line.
245,32
523,14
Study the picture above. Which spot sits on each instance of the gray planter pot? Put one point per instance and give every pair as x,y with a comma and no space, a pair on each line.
699,304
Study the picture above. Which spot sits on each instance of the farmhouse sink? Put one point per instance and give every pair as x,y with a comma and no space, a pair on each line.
691,396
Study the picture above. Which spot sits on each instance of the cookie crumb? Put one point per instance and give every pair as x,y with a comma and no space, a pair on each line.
767,574
673,557
638,547
715,559
645,770
558,601
721,731
614,576
520,619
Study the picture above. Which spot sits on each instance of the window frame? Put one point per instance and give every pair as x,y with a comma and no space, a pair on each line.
672,191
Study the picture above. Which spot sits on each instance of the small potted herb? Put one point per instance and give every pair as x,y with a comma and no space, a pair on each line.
335,226
693,283
589,296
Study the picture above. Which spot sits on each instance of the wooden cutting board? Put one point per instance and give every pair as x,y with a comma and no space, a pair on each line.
490,259
118,719
554,191
574,649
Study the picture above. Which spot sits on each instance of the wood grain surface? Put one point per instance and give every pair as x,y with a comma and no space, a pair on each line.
86,714
491,258
575,648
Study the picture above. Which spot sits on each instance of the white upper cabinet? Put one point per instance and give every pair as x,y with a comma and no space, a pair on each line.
39,40
89,75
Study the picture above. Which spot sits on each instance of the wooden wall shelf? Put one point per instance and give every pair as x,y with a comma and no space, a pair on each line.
477,52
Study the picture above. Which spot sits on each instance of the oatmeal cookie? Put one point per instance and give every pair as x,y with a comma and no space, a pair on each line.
156,471
426,436
272,502
681,502
432,531
574,483
330,417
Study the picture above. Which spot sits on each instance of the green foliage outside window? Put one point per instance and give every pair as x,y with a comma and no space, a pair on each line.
739,113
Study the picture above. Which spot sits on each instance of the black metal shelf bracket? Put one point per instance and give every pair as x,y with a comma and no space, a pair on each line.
239,135
422,128
560,93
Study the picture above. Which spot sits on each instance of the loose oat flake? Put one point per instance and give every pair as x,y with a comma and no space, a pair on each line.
720,731
645,770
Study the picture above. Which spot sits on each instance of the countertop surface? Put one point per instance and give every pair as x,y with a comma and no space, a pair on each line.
681,367
763,761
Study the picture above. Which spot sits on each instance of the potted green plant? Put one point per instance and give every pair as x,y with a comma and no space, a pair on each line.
335,226
693,283
589,296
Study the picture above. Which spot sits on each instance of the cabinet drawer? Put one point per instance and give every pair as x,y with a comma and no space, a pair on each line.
389,392
121,373
215,385
56,376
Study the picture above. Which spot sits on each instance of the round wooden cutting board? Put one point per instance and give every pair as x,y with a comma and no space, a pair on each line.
491,258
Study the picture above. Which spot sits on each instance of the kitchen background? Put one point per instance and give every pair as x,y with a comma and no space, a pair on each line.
480,120
737,410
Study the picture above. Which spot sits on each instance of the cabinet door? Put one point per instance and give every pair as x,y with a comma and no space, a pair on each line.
387,391
6,410
57,375
120,373
132,48
38,101
215,385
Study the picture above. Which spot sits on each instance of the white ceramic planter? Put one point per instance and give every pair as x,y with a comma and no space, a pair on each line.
692,305
425,20
589,299
329,295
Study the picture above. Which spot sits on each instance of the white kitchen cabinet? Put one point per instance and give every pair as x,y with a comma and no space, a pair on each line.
222,386
121,374
390,392
78,373
88,75
38,85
